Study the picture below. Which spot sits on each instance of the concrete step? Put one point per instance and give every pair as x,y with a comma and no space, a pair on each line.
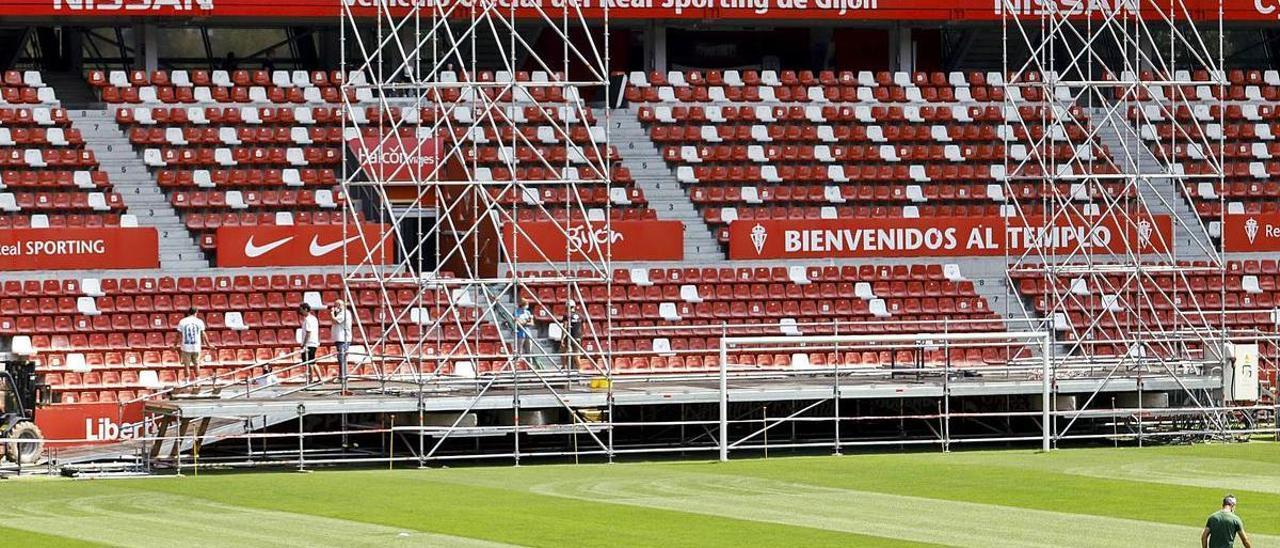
1161,195
136,185
170,256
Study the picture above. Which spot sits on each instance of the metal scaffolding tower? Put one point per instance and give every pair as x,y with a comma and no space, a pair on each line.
491,104
1087,86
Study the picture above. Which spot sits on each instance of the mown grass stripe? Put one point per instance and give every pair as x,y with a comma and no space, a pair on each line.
513,516
1096,497
863,512
1034,481
31,539
133,518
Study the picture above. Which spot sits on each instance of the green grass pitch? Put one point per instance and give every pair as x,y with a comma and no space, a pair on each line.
1076,497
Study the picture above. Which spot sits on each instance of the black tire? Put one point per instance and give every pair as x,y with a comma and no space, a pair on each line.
27,452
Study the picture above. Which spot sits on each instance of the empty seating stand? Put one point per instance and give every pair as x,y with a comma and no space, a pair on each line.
257,147
1242,116
47,176
114,339
26,88
1099,309
298,87
762,145
242,165
219,86
568,138
671,320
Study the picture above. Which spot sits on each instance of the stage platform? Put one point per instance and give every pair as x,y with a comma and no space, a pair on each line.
371,397
185,423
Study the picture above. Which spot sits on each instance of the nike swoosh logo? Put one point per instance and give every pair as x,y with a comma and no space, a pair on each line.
318,250
252,251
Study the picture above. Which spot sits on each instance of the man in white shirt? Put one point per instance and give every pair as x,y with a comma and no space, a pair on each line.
341,333
309,339
191,335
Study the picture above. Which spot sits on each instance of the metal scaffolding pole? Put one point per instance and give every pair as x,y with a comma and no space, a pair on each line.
484,113
1089,173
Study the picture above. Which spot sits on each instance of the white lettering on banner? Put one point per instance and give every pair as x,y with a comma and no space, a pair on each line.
678,6
880,239
105,429
385,3
1068,7
842,7
405,4
132,5
1251,229
393,156
1253,232
582,238
73,248
1059,237
64,247
940,239
1265,7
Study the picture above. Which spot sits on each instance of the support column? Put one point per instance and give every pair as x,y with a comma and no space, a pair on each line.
73,48
145,49
903,49
659,40
330,47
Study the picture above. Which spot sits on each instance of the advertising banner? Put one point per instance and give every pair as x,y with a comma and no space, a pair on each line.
1251,232
649,240
93,423
395,159
941,237
300,245
79,248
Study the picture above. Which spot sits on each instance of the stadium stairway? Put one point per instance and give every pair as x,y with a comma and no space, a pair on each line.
1161,196
142,197
991,282
72,89
503,315
660,187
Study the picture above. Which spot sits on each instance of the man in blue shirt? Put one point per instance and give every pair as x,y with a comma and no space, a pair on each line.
524,318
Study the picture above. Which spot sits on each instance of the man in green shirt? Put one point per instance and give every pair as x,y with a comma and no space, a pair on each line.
1223,526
